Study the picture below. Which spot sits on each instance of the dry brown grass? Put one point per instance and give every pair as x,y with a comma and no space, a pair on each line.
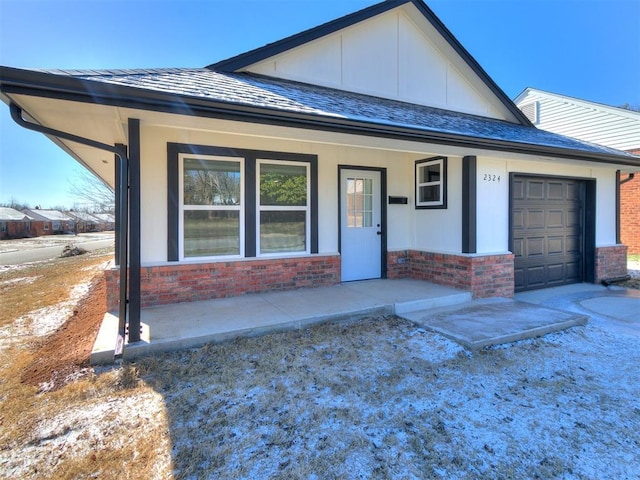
43,284
52,434
375,398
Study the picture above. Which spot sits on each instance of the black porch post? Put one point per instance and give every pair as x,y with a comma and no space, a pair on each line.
134,230
469,203
618,236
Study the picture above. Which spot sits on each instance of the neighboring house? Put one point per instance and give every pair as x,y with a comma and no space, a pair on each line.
50,222
84,222
373,146
14,224
107,221
593,122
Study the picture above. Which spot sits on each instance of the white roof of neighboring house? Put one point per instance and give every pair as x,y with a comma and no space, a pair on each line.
84,217
48,215
612,127
105,217
8,214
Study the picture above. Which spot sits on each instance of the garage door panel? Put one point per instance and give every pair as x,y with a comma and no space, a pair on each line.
517,189
536,276
555,191
555,245
555,219
573,191
574,245
534,219
534,190
535,247
547,233
574,218
518,219
574,271
555,272
517,247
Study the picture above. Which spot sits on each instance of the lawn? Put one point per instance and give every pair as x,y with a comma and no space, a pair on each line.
372,398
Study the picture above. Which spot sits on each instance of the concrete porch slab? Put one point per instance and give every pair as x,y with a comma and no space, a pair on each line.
186,325
481,323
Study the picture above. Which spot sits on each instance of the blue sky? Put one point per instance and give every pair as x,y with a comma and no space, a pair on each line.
583,48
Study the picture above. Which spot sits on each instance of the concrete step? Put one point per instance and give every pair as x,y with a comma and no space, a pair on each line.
457,298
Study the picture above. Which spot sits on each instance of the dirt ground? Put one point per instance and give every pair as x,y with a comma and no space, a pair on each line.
64,355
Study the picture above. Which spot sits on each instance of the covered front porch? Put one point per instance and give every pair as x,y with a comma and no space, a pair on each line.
190,324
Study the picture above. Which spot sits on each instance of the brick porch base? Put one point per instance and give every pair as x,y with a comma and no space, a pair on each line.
167,284
611,262
483,275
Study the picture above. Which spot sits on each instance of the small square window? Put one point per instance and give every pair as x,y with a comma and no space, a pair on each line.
431,183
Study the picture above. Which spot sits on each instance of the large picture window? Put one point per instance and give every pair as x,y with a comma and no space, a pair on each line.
226,203
431,183
211,201
283,207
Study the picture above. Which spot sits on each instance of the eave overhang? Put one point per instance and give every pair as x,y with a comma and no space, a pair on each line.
15,81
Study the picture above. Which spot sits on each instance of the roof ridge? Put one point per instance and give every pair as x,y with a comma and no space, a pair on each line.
115,71
581,100
278,46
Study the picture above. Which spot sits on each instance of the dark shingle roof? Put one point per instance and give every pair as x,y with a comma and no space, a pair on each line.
269,94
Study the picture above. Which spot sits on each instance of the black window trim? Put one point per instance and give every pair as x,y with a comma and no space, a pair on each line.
443,183
174,150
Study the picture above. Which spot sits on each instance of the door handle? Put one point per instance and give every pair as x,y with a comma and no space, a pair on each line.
379,233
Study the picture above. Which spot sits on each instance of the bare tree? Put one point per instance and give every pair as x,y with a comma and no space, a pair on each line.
92,192
634,108
15,204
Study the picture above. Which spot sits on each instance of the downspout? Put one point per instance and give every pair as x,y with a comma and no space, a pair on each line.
628,179
121,152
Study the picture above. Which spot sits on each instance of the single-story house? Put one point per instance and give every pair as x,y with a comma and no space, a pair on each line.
372,146
84,222
50,222
613,127
14,223
107,221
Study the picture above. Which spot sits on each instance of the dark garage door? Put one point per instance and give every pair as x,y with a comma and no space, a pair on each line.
547,231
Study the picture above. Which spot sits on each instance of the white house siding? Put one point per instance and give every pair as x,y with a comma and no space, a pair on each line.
407,228
391,57
440,230
588,121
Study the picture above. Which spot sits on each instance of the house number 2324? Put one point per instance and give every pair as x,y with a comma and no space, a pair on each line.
491,178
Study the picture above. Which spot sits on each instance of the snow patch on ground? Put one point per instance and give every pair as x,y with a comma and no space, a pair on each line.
633,268
47,320
90,427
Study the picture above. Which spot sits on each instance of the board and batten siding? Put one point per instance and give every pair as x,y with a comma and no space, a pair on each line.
389,56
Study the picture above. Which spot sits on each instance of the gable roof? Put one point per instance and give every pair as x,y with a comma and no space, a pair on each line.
47,215
239,62
83,217
10,214
251,98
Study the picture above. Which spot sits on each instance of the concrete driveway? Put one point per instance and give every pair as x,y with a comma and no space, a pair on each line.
614,307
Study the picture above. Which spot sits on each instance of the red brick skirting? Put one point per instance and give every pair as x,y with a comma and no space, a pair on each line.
630,214
483,275
167,284
611,262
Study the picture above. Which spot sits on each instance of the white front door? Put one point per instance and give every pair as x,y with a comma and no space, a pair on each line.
360,224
